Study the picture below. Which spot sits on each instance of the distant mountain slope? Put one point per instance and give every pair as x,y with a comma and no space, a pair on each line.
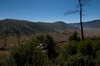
90,24
60,25
21,27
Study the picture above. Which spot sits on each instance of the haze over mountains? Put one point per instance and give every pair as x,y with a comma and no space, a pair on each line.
90,24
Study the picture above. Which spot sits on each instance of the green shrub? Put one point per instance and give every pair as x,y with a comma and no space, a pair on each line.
95,47
30,54
80,60
83,53
66,52
48,45
85,47
71,48
60,61
74,36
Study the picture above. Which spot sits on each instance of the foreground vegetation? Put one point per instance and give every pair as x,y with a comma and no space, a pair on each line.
42,51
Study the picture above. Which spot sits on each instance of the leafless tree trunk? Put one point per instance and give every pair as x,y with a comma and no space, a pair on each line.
80,5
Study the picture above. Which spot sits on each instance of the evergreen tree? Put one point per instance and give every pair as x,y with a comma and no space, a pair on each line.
50,47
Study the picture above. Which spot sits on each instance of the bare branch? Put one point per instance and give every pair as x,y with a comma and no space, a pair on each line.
71,12
85,2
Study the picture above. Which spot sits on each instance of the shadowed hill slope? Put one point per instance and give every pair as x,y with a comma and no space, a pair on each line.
18,27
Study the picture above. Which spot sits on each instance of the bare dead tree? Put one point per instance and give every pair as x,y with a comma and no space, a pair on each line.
81,4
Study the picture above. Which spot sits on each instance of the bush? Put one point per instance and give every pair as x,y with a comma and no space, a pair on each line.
85,47
60,61
95,48
98,58
49,45
66,51
71,48
80,60
74,36
29,54
83,53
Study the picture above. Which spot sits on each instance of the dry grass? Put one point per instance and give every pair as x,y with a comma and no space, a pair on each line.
91,32
60,38
4,53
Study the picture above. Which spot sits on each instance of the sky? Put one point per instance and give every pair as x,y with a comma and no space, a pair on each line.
47,10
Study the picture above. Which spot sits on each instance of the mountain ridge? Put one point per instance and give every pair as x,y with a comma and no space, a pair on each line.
11,27
22,27
88,24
